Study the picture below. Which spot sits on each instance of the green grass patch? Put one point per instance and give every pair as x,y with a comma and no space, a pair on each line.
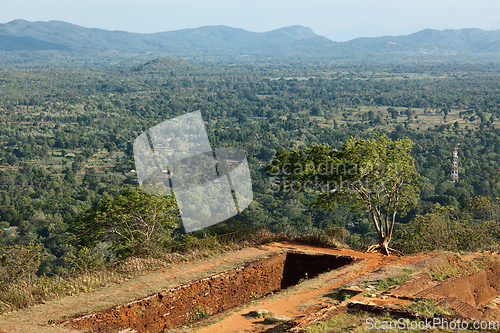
452,266
384,284
428,308
363,322
342,295
200,313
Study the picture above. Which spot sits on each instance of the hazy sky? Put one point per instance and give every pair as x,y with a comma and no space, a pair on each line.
337,20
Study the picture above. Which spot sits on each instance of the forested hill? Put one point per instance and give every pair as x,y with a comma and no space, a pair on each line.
24,42
211,40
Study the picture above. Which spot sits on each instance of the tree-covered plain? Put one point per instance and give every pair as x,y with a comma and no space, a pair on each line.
66,134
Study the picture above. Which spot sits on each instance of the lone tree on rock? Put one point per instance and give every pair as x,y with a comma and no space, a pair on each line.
376,176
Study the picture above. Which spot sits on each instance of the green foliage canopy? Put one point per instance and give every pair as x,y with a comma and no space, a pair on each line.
448,230
19,263
135,222
376,176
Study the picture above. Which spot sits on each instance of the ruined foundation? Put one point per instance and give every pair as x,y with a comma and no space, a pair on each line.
210,295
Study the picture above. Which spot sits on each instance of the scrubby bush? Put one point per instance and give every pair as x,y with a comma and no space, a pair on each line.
445,229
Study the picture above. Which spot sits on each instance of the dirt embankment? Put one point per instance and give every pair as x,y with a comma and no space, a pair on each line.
470,295
210,295
283,266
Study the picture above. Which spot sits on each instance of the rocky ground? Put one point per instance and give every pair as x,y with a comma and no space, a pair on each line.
214,296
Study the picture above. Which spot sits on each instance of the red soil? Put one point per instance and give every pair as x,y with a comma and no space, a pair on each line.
306,303
224,291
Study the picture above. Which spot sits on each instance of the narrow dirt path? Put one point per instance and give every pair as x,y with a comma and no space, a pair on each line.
309,296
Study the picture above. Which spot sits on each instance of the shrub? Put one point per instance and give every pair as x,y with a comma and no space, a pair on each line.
446,230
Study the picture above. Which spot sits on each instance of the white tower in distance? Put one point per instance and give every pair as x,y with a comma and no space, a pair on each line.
454,166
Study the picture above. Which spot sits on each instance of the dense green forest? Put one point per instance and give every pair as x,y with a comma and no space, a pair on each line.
66,135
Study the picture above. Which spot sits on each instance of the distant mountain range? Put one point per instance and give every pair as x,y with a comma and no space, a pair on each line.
29,40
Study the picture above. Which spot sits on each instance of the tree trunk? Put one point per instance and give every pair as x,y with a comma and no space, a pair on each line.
382,246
